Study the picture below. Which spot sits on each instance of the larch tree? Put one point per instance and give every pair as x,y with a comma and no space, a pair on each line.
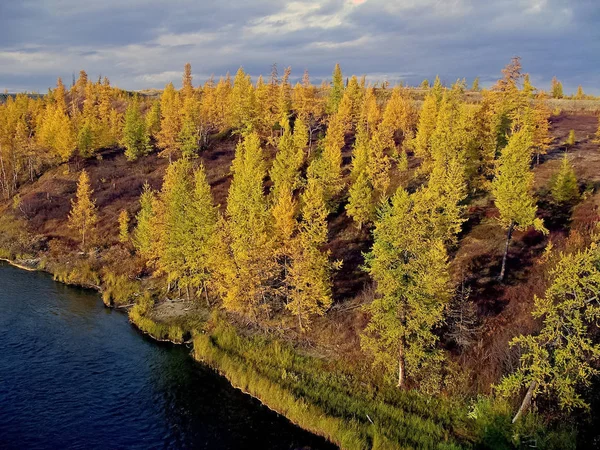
446,187
249,262
189,135
564,189
512,189
542,138
361,202
563,357
411,275
152,119
170,122
475,85
557,88
144,235
597,134
310,273
528,89
187,88
571,139
83,216
285,175
175,223
426,127
337,90
289,159
327,167
223,103
370,113
284,98
203,217
243,102
379,162
135,134
308,106
57,133
266,111
123,226
399,114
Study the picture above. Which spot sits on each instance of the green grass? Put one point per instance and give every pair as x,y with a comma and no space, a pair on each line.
328,399
160,331
119,290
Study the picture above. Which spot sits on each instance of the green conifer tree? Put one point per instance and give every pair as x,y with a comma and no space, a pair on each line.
512,189
564,188
563,357
135,135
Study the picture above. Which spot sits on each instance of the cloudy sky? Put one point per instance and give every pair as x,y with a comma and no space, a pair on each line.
145,43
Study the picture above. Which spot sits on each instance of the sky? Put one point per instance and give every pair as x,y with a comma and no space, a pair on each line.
140,44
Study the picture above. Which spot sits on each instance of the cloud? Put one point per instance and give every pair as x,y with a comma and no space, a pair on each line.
145,43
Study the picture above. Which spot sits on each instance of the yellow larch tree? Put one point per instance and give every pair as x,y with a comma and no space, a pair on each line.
248,263
170,122
311,270
83,216
243,102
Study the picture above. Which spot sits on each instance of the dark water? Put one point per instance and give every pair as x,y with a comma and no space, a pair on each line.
74,374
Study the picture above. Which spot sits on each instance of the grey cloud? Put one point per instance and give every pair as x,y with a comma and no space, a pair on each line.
141,44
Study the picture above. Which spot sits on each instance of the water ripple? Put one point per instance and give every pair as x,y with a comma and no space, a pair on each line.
74,375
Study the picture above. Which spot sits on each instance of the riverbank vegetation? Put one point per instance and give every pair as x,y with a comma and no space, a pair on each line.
384,265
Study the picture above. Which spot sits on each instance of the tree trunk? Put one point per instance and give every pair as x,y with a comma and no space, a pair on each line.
508,237
401,367
206,296
526,401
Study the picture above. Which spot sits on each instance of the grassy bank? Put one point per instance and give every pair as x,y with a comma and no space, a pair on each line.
329,398
322,396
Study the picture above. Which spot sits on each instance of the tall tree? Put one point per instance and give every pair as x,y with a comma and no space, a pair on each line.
563,356
170,122
564,188
361,202
83,216
557,88
411,272
540,114
426,126
328,166
189,135
144,235
135,134
123,226
337,90
512,189
174,221
308,105
311,270
248,262
243,102
285,171
187,89
203,216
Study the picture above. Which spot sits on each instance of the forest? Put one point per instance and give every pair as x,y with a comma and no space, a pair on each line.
387,266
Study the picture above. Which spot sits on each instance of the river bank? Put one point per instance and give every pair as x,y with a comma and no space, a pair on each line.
320,396
69,364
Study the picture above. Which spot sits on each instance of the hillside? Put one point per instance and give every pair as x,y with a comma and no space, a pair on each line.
337,251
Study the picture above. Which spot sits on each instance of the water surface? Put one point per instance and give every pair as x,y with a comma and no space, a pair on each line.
76,375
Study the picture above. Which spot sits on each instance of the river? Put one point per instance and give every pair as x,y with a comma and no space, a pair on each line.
77,375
